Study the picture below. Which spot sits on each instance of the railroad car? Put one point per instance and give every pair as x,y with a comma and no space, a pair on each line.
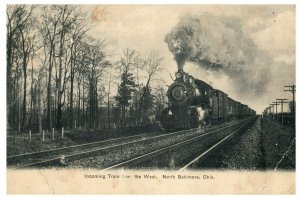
194,103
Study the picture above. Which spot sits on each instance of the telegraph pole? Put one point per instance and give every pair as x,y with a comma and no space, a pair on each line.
270,109
292,89
282,101
273,109
275,103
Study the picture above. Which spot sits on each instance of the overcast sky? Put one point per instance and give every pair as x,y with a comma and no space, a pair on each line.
271,28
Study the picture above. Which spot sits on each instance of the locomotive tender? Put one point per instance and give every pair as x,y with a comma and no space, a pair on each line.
194,104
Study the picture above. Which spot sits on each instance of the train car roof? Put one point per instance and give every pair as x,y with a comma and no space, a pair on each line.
221,92
201,83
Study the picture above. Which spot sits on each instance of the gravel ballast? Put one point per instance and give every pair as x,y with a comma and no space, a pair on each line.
265,145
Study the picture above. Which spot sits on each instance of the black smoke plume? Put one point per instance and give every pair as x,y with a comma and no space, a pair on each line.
219,44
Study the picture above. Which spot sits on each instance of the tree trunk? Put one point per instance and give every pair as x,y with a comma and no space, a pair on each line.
71,93
91,104
49,111
83,105
123,116
59,116
24,63
141,112
9,97
71,104
39,108
14,103
78,104
96,109
24,95
32,97
35,104
108,103
19,113
60,71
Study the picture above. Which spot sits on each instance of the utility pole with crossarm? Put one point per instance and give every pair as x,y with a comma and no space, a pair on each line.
272,110
292,89
276,104
282,101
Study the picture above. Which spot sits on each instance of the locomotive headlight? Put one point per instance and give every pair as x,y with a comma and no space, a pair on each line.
178,75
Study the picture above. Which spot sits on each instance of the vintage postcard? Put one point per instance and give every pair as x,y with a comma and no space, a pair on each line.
150,99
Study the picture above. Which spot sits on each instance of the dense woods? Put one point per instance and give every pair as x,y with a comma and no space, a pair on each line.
58,75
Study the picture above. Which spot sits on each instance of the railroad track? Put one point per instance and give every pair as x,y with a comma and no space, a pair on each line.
60,155
163,158
66,154
193,163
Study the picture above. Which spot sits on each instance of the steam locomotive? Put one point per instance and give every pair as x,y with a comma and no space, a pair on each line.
194,103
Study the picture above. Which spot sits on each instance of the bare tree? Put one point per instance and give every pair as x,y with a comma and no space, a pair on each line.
17,19
50,32
93,65
56,72
63,29
152,66
19,46
27,40
77,34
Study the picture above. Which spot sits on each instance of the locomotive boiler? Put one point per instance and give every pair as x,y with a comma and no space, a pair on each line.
193,104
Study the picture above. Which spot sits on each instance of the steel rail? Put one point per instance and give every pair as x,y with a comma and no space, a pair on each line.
59,158
211,148
149,154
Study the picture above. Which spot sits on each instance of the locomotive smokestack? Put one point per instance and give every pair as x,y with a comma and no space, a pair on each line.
180,66
180,62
